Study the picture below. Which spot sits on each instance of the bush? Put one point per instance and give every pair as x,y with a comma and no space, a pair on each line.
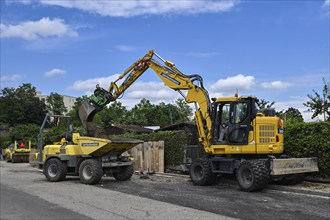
309,140
174,143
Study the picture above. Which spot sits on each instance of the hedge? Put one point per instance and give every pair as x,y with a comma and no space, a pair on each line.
309,140
175,142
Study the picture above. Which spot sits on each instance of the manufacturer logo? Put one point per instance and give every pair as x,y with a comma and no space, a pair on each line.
90,144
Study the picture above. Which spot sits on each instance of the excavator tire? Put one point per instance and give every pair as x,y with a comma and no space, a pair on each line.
55,170
90,171
125,173
252,175
201,172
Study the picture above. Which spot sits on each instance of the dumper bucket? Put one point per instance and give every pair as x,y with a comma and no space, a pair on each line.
86,112
99,146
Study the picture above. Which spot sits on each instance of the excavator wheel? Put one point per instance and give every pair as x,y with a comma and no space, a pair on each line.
55,170
201,172
252,175
90,171
125,173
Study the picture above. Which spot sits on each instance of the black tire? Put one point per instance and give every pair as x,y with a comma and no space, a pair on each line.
55,170
252,175
90,171
292,179
201,172
125,173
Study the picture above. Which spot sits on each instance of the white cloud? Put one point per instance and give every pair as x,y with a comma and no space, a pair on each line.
276,85
326,3
125,48
152,7
150,90
231,84
155,92
89,85
54,72
30,30
14,77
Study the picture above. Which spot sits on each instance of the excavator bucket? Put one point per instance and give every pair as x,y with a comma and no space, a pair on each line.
86,112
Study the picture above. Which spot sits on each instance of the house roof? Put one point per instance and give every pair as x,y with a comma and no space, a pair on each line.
178,126
134,128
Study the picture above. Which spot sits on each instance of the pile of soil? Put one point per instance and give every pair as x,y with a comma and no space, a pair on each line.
95,130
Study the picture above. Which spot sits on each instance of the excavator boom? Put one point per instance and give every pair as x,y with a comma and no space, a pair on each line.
171,76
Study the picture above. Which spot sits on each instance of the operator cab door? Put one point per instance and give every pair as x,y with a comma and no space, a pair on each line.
239,122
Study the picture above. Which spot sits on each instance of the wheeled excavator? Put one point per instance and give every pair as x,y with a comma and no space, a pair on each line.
237,138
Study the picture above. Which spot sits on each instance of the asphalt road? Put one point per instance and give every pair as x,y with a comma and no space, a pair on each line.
16,204
25,194
225,198
22,185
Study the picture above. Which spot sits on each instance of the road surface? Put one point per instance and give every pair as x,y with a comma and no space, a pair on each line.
71,198
25,194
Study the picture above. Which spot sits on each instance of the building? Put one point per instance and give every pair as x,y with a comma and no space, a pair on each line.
68,100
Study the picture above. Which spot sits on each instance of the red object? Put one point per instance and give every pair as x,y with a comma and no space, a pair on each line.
21,144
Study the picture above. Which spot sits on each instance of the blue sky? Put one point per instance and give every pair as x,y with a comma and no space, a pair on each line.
275,50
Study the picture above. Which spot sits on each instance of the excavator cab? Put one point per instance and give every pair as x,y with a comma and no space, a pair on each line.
232,120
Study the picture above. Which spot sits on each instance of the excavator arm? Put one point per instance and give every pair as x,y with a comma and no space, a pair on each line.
171,76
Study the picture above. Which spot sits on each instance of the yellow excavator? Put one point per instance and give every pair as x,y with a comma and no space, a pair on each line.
236,137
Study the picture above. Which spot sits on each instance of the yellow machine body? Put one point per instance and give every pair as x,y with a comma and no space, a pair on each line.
87,146
236,136
16,154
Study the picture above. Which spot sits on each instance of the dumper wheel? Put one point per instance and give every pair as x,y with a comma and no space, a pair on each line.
55,170
125,173
201,172
252,175
90,171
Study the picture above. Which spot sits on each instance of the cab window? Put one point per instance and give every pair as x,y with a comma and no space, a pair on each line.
239,113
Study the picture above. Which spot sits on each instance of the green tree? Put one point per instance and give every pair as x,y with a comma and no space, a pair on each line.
293,115
21,106
320,104
56,104
185,111
262,103
74,113
27,132
143,113
115,113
